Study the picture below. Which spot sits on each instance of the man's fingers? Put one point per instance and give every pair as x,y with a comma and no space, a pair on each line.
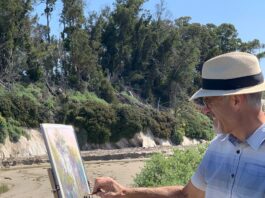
100,194
107,194
98,185
103,183
106,187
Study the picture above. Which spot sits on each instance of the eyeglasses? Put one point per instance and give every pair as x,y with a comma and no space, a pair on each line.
206,101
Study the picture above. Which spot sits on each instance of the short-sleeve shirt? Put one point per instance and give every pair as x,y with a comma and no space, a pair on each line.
233,169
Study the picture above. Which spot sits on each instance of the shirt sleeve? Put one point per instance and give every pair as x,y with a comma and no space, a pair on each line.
198,178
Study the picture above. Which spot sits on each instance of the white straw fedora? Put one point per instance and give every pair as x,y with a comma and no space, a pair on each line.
231,74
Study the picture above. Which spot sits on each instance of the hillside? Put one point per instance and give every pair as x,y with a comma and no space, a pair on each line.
111,74
98,124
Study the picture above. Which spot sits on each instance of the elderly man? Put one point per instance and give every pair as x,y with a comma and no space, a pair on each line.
234,163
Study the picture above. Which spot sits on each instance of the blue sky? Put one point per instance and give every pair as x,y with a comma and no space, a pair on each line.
247,16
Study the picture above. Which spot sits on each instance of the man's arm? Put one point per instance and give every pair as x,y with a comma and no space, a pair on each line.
111,189
189,191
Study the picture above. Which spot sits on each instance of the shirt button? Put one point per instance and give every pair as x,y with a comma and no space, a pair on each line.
238,151
232,175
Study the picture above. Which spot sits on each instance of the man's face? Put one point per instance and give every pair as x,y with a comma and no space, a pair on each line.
218,107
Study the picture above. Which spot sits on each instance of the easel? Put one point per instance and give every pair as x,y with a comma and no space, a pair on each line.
55,186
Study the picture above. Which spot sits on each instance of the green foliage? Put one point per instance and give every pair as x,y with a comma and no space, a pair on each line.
35,73
14,130
10,127
132,119
3,188
193,123
106,92
98,122
163,124
78,97
3,131
119,49
130,99
29,105
94,118
198,126
128,122
177,135
15,38
177,169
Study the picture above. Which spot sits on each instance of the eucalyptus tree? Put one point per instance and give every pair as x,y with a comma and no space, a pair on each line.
79,61
49,6
15,27
117,38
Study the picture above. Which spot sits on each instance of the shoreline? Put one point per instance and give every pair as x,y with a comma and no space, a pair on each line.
93,155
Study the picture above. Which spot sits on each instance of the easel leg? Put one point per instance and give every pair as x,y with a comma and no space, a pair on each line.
55,187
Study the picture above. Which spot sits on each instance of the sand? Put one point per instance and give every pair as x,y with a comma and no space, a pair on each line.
33,181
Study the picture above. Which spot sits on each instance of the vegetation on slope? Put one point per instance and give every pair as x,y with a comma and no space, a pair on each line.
104,63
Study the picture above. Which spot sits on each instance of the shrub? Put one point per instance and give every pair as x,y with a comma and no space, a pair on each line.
128,122
29,105
199,126
98,122
176,169
78,97
25,106
163,124
5,105
94,118
177,135
107,92
14,130
3,131
193,123
132,119
11,128
3,188
25,110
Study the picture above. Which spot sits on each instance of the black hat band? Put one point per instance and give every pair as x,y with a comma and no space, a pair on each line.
231,84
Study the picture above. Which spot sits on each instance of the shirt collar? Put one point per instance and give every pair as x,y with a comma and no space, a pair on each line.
232,139
257,138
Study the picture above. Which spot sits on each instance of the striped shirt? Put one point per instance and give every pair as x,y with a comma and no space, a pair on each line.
231,169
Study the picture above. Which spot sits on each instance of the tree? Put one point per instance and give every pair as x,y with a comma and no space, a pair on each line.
227,36
117,37
47,52
79,63
15,27
49,6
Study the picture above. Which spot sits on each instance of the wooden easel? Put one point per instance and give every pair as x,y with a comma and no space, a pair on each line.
55,186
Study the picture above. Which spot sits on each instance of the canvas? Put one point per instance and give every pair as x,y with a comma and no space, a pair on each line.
65,160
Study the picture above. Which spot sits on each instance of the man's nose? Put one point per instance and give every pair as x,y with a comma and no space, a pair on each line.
206,110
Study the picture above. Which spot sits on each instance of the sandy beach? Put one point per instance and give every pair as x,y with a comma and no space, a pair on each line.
33,181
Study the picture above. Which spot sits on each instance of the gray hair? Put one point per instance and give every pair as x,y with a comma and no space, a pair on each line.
254,100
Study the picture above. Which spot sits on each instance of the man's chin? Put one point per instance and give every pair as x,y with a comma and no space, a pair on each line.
218,129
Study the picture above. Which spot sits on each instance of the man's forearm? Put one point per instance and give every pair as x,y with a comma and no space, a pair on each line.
167,192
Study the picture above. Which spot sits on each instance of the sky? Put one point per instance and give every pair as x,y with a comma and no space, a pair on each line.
248,16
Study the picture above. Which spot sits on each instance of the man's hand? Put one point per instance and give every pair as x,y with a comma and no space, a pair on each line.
106,187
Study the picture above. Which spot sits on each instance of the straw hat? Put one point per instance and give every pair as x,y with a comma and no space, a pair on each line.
231,74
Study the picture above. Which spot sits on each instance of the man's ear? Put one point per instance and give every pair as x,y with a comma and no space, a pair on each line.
238,100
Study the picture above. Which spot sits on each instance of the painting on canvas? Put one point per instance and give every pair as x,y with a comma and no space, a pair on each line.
65,160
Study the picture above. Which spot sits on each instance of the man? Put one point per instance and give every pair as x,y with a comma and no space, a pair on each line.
234,163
